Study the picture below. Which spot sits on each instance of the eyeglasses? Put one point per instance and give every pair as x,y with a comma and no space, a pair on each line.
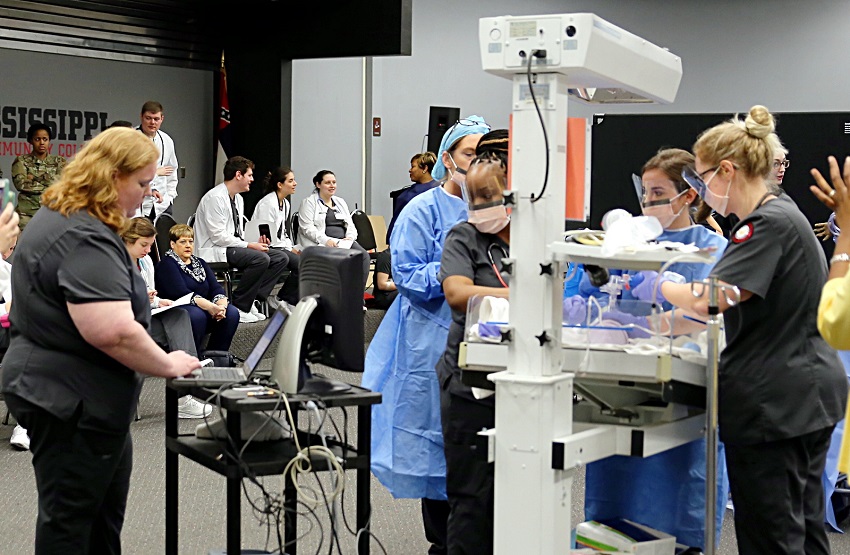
784,163
470,123
702,173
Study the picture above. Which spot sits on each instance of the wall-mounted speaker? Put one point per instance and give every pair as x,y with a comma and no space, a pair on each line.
440,118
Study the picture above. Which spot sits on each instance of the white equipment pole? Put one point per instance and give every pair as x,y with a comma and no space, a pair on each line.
534,398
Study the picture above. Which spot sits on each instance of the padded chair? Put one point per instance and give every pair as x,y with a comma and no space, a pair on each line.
365,233
163,224
379,227
366,239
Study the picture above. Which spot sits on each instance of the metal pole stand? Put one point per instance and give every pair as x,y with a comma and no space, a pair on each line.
711,417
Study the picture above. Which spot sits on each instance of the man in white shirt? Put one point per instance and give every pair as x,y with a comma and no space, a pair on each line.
164,186
219,232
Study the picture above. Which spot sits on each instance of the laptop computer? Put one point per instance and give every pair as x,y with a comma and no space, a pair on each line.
216,376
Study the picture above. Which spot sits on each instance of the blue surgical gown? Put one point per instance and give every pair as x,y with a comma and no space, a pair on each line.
665,491
407,439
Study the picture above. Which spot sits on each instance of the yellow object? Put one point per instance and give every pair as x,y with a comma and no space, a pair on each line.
586,236
834,313
834,326
844,454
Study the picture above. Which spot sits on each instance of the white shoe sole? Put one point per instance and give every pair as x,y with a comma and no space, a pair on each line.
20,444
190,415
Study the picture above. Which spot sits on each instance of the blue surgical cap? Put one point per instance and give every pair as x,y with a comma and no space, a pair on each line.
467,126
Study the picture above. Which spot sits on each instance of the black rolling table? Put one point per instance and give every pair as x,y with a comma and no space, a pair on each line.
264,458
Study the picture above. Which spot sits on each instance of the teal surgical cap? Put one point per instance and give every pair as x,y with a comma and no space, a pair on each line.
467,126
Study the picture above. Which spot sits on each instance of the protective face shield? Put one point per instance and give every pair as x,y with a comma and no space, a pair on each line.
663,210
719,203
458,175
489,218
638,183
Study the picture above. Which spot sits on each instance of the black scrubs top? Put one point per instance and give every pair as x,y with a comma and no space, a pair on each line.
334,226
383,265
778,377
465,254
73,260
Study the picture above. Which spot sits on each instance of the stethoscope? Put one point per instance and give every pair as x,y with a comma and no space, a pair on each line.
162,153
162,150
493,262
285,206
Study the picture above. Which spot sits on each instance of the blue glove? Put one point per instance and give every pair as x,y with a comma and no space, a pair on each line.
646,285
575,310
625,319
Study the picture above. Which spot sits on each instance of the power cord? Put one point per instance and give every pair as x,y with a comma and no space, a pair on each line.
336,480
269,508
272,504
538,54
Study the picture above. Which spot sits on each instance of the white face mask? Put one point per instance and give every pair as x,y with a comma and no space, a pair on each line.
719,203
663,210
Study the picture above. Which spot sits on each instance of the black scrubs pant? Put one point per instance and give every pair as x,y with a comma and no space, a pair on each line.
469,477
260,272
289,291
778,495
82,476
435,518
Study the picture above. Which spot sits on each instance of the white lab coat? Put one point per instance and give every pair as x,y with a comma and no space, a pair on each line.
165,184
268,211
214,228
311,220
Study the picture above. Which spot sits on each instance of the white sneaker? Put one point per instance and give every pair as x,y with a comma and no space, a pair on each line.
246,317
20,439
729,504
255,311
189,407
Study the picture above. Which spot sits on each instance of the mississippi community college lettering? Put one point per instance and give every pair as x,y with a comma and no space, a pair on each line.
67,125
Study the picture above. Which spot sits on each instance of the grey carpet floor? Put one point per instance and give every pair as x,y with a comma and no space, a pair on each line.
396,523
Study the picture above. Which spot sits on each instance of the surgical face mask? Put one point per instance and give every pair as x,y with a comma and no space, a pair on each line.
720,203
489,218
663,210
459,177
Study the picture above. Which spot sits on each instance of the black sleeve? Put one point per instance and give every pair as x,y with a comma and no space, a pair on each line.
95,271
458,258
751,258
383,263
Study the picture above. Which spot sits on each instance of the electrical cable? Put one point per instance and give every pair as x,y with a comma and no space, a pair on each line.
268,509
272,504
537,54
331,506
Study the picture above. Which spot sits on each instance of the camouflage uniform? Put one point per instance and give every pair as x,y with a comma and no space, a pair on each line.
31,177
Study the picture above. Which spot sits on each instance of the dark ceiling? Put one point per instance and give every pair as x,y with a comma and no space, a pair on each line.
194,33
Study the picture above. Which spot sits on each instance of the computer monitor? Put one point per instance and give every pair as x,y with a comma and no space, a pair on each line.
327,324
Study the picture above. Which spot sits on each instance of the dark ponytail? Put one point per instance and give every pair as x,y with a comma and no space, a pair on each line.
274,177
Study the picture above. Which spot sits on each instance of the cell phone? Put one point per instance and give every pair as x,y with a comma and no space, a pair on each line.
265,231
7,193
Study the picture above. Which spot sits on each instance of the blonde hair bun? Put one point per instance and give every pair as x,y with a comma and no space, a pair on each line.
759,122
